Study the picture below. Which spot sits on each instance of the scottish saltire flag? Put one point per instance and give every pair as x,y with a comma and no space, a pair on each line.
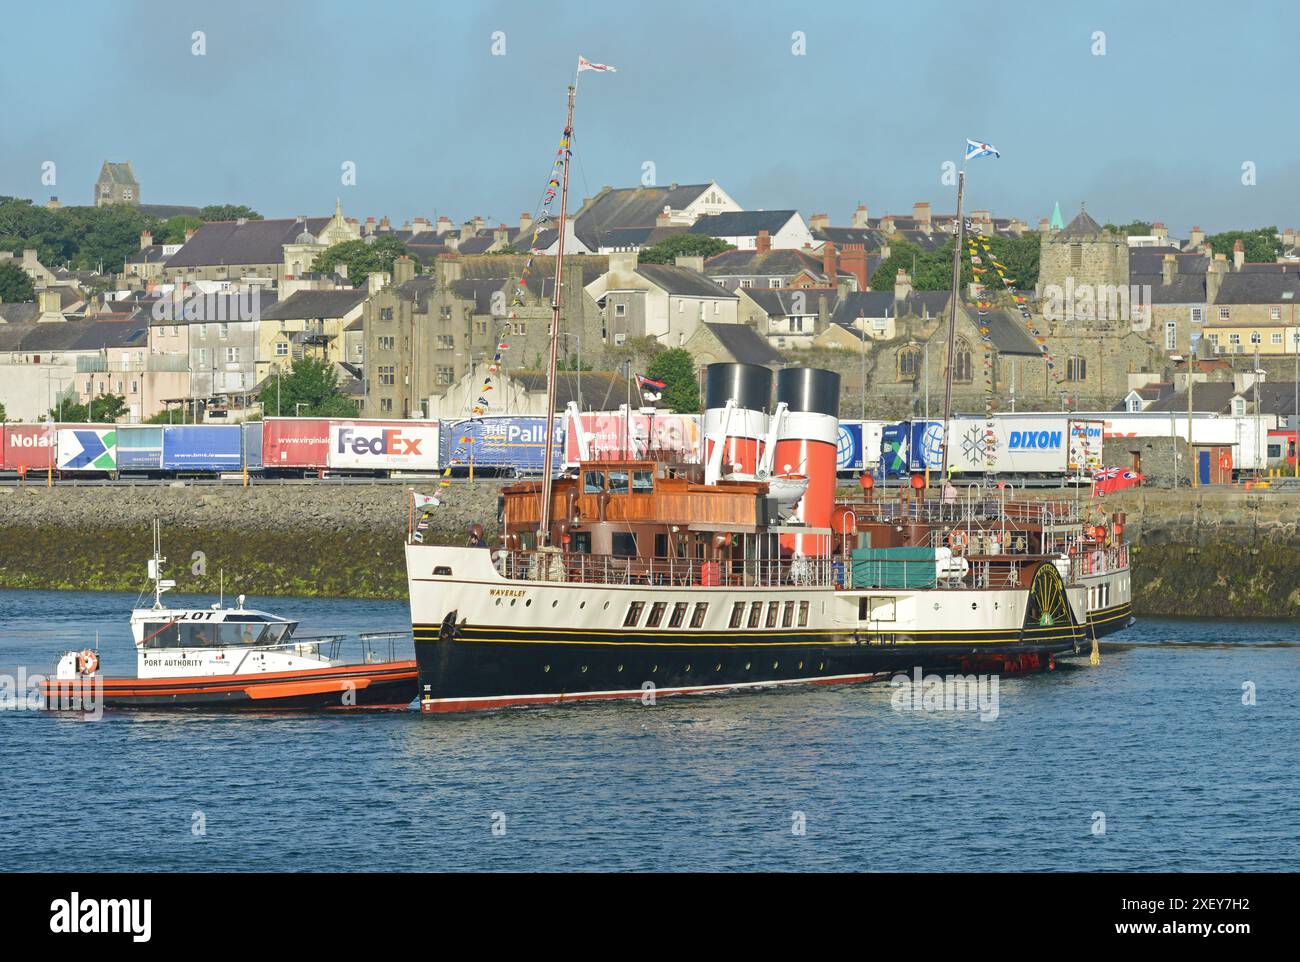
585,64
976,149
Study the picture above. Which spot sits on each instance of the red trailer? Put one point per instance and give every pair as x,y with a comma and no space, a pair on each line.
295,444
28,448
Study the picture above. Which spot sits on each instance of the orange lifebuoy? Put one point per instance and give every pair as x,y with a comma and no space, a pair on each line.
87,662
956,539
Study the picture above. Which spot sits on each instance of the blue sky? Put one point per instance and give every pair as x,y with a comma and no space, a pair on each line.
1157,128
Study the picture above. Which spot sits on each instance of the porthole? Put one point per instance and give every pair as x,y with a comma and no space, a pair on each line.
653,669
605,606
555,602
582,604
512,602
498,602
528,603
718,667
545,669
688,669
620,669
776,665
583,669
821,666
801,666
747,665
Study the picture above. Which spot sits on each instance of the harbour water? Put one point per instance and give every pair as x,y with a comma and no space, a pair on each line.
1149,761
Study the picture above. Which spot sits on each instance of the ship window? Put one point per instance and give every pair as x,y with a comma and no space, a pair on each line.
643,482
773,609
164,635
737,614
633,614
580,542
679,615
443,571
787,616
755,614
656,614
661,546
697,616
803,614
623,544
593,482
618,482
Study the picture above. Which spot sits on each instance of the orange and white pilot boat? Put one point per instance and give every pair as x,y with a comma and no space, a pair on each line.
233,658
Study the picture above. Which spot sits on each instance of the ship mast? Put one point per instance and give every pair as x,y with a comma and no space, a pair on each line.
952,324
544,527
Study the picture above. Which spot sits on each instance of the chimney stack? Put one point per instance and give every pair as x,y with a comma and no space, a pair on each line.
444,224
146,238
1160,230
189,233
1197,238
1168,268
525,222
1214,277
1238,255
376,281
829,262
763,243
902,286
921,214
860,218
403,269
819,221
853,258
665,217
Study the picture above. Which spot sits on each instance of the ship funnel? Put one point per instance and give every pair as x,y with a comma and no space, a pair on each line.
806,446
741,425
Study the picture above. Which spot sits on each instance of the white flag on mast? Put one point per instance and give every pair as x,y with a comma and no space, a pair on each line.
585,64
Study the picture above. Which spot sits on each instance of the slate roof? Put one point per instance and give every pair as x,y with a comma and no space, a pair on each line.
168,211
629,207
1009,335
742,223
74,335
302,305
598,387
479,290
863,304
868,237
786,301
19,313
1210,396
683,281
744,343
1082,226
251,242
637,237
773,263
147,255
1251,288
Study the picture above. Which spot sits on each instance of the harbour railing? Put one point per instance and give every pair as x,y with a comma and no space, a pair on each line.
1087,560
967,510
682,572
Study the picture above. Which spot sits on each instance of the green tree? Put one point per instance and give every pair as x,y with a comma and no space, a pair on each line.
932,270
228,212
174,228
15,286
312,383
1261,244
683,245
4,416
103,409
676,368
108,235
362,258
1137,228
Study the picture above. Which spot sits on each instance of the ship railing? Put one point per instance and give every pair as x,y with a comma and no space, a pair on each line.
575,567
980,510
1089,560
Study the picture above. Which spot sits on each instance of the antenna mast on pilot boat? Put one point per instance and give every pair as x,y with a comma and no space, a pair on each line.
566,155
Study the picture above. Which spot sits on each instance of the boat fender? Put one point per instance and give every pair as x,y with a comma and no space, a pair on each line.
87,662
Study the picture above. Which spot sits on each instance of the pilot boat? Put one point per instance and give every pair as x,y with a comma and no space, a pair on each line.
242,658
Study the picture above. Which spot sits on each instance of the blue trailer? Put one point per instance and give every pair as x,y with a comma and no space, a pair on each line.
139,448
202,447
504,442
252,437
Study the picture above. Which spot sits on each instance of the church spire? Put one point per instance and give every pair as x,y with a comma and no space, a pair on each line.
1057,220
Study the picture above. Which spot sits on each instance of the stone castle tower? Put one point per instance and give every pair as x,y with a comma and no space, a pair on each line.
1083,252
